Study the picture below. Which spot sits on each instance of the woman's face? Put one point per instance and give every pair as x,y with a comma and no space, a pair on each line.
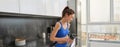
69,18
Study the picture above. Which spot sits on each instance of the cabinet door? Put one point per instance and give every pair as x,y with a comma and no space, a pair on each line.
55,7
62,5
50,7
28,6
9,6
41,10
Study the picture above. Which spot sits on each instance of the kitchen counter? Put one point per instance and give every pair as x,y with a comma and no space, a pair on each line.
33,43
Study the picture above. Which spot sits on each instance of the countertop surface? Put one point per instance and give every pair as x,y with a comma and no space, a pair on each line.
34,43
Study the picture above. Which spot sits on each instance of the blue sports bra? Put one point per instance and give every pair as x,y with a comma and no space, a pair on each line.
62,33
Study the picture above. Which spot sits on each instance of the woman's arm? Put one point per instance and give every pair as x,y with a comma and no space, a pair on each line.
54,32
70,40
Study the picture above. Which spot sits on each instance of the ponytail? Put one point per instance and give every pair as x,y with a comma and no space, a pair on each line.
68,11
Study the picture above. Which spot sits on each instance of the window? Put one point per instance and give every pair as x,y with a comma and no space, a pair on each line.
116,6
99,10
104,32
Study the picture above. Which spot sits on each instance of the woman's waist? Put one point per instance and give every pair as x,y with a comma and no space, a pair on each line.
60,36
58,43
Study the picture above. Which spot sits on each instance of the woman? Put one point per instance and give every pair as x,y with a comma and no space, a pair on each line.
61,30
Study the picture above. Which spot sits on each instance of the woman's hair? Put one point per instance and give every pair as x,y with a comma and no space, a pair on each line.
68,11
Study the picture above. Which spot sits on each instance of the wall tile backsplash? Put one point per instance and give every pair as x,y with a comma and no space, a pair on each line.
27,28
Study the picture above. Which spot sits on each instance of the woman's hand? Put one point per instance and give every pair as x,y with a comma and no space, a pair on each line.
70,41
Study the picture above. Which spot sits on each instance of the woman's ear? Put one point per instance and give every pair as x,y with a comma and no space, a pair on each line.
66,15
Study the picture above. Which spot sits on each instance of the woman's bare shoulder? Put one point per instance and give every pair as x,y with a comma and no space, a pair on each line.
57,25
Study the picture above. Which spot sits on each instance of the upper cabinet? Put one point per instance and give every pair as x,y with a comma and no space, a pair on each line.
41,7
28,6
9,6
62,5
49,7
37,7
55,7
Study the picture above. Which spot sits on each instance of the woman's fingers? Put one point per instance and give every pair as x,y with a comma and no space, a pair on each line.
70,41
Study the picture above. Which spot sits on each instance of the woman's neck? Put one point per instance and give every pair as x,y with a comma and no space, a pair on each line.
63,21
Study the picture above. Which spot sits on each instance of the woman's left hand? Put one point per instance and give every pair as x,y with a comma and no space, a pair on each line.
69,40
